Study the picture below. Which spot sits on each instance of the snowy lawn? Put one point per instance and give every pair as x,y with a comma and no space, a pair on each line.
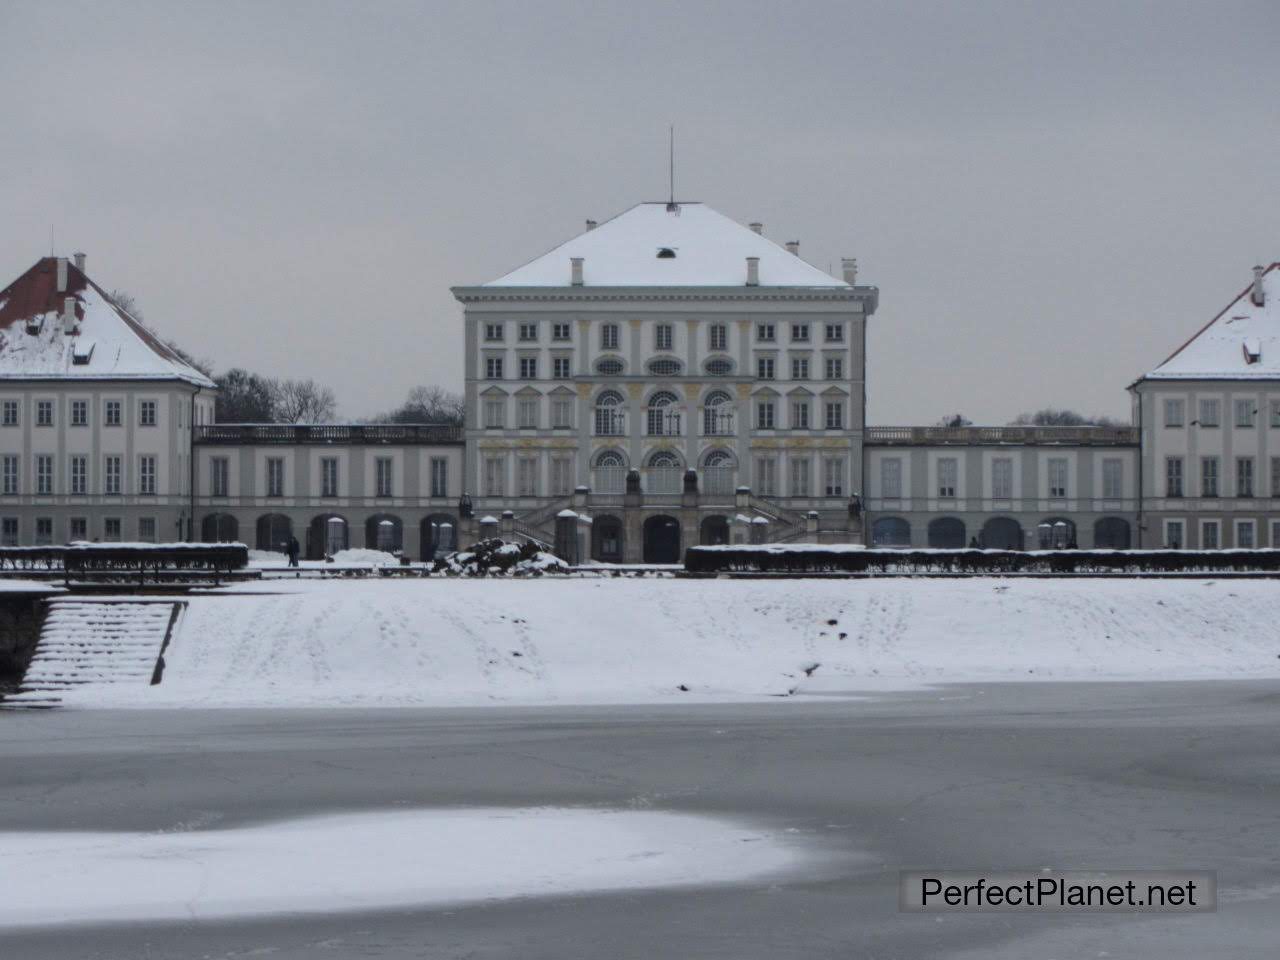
465,642
372,861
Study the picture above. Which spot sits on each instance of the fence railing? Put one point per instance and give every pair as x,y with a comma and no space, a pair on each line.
925,436
352,433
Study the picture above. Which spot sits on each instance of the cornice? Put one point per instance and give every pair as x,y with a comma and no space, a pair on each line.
667,294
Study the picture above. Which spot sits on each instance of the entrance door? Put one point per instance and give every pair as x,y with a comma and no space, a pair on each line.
662,540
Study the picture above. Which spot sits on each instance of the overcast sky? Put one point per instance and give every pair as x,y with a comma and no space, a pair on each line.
1050,196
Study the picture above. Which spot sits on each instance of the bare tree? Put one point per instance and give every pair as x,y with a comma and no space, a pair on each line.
302,401
955,420
427,404
1053,417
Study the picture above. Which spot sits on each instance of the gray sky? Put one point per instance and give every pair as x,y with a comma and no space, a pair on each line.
1050,196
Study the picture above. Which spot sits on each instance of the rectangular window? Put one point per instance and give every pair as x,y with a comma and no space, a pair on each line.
765,332
1173,476
527,413
1210,538
44,413
439,477
799,368
1244,535
767,476
1275,480
1244,476
78,529
1275,413
561,413
528,332
44,474
1210,413
111,529
44,531
560,368
835,415
764,368
275,477
1246,413
891,478
9,469
495,413
560,331
764,415
718,334
527,477
79,475
609,336
147,529
9,531
79,413
1057,477
662,336
835,368
948,470
835,333
382,470
147,414
1173,413
800,478
111,474
494,470
561,476
112,413
147,475
219,477
493,368
1112,479
528,368
9,413
493,332
799,333
1002,478
833,475
1208,476
1173,538
328,476
800,415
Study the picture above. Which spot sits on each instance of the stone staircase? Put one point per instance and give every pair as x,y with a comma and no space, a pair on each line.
94,642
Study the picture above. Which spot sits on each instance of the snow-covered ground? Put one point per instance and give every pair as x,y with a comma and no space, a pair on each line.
374,861
481,642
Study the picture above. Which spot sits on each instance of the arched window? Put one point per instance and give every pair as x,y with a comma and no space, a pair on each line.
717,415
663,415
665,367
664,458
891,532
611,419
1111,533
665,472
609,367
611,458
610,472
1056,533
717,473
719,367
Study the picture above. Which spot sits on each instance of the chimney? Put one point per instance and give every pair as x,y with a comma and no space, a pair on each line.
756,227
850,267
80,262
753,271
62,275
591,224
575,271
69,315
793,247
1257,294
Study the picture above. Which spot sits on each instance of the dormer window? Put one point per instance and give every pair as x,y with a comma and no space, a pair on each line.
1252,350
666,253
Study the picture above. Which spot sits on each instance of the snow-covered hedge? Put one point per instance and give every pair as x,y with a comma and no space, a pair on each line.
498,558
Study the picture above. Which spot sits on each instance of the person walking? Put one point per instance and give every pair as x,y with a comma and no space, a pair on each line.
293,548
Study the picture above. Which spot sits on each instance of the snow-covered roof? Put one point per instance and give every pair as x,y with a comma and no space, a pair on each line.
106,342
699,247
1240,343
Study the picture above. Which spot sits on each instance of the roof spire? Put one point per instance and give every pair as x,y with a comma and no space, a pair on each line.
671,169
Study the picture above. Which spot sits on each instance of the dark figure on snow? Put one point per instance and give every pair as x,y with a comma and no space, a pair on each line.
293,548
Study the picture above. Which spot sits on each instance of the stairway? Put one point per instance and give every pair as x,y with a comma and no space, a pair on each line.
93,642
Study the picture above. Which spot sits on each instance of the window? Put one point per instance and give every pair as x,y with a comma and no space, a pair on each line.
382,476
439,477
1173,413
834,415
799,333
1275,480
767,476
561,476
9,413
1244,476
1173,538
44,474
561,413
1208,476
1112,479
891,478
1275,413
9,531
1002,478
609,367
9,471
147,413
328,476
764,415
79,475
948,469
835,333
147,475
147,529
764,368
493,332
79,413
1057,477
78,528
111,528
719,367
800,415
495,414
1244,535
275,477
665,367
663,415
1210,413
44,413
560,331
528,332
528,368
799,368
717,415
833,475
1246,413
611,472
609,336
1173,476
800,486
44,531
610,415
527,413
526,476
494,470
835,368
560,368
111,474
219,477
765,332
112,413
493,368
718,336
1210,538
662,336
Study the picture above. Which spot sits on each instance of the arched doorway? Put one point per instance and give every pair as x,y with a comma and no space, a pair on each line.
610,472
891,532
606,539
715,531
273,532
438,534
1001,533
1111,533
385,532
665,472
947,533
1056,533
662,539
717,473
326,535
219,528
